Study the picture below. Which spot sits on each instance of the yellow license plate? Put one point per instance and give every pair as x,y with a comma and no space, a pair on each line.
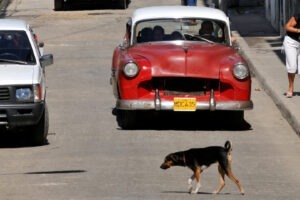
185,104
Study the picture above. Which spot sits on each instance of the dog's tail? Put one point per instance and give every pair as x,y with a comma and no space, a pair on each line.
228,146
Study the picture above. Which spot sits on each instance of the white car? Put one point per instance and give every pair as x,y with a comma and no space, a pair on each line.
22,81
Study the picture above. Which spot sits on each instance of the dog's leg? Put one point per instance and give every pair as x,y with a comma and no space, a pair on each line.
222,180
190,182
231,176
236,181
197,176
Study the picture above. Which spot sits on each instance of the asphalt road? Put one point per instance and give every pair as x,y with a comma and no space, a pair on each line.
89,157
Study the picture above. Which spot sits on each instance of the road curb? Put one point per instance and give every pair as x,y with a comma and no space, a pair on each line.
283,108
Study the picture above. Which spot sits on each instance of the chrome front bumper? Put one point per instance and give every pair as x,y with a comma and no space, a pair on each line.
158,104
168,105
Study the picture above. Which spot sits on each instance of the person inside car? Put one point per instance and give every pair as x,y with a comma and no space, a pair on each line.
158,33
207,30
176,35
145,35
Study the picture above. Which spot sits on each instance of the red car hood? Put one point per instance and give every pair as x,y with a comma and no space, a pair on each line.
185,59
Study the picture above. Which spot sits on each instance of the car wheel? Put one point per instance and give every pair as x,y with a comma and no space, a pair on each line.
123,4
126,119
59,5
39,132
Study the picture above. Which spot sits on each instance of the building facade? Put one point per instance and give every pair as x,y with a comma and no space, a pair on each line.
278,12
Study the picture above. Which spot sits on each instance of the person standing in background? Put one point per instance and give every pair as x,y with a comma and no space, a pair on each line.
189,2
192,2
291,45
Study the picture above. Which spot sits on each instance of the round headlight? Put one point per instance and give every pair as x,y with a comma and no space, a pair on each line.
131,69
240,71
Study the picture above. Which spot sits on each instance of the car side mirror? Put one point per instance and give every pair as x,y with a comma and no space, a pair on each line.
46,60
124,45
41,47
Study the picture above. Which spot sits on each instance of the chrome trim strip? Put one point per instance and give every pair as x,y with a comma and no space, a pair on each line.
157,100
212,101
168,105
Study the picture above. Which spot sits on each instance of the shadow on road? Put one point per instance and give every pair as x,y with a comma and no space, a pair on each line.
57,172
190,121
15,139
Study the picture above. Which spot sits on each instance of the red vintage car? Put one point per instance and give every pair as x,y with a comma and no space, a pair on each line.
178,58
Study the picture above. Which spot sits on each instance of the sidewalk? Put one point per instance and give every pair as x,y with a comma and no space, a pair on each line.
261,45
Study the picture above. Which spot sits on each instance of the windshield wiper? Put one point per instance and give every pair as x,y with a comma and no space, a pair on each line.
13,61
200,38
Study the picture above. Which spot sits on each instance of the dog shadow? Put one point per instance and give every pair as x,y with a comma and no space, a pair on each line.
199,193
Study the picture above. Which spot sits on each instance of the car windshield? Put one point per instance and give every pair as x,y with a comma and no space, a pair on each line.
15,48
198,30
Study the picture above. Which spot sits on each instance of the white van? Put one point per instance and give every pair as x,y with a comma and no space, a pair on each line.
22,81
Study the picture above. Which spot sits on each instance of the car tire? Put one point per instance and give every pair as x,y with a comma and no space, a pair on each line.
39,132
123,4
59,5
126,119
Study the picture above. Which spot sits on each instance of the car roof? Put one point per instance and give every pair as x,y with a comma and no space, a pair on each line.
159,12
13,24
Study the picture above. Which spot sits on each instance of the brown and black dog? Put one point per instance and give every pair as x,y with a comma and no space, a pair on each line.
199,159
